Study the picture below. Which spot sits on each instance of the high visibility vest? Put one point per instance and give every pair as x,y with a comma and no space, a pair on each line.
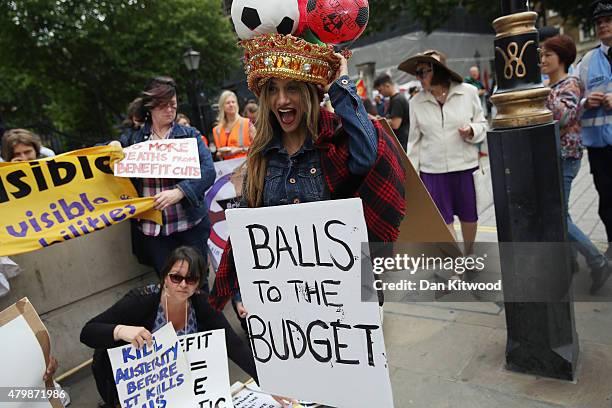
238,137
596,75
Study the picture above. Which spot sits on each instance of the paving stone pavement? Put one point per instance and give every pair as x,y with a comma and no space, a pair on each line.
451,355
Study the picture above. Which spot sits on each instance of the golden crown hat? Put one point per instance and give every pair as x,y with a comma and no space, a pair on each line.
289,57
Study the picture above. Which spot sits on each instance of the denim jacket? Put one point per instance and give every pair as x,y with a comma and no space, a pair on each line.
299,178
194,189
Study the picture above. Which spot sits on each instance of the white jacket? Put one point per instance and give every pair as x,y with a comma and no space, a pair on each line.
434,143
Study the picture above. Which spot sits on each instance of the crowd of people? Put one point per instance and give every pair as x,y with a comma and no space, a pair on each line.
299,151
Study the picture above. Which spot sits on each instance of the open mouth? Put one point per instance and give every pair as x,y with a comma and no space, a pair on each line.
287,116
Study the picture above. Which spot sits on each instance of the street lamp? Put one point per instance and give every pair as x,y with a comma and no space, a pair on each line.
191,58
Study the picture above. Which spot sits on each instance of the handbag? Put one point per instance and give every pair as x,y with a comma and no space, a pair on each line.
483,186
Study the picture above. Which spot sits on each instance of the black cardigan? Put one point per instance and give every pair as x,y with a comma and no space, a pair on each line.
139,308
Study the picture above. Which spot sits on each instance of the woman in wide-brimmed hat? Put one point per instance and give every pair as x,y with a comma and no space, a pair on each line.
447,125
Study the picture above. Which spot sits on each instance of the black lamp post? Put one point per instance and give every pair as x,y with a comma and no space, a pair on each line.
198,118
531,222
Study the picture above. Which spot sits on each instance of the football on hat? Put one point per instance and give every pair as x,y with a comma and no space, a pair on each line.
337,21
255,17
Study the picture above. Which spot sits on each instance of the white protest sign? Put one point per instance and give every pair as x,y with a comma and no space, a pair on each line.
25,348
207,357
167,158
153,377
299,269
251,398
223,194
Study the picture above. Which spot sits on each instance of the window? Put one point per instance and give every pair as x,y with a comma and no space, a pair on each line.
552,13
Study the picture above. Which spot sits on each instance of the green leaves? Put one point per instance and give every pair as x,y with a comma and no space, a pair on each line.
432,14
78,63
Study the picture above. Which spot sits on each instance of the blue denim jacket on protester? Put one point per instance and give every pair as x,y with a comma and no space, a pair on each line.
299,178
194,189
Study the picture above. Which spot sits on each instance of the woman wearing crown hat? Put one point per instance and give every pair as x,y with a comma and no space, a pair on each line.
302,153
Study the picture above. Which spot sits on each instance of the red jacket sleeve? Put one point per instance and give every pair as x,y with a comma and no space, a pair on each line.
226,280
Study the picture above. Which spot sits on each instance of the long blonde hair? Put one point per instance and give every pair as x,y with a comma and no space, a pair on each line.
225,95
265,126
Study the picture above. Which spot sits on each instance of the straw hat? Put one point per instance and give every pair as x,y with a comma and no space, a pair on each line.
429,57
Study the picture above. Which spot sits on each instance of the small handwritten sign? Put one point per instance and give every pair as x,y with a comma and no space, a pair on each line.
169,158
153,377
207,357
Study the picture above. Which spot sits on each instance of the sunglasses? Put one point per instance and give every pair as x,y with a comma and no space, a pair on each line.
421,72
177,279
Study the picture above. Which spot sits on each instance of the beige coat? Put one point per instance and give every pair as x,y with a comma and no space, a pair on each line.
434,143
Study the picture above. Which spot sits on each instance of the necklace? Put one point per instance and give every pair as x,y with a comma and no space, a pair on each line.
441,97
167,312
159,135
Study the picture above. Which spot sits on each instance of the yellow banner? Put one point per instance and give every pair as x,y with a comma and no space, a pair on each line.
43,202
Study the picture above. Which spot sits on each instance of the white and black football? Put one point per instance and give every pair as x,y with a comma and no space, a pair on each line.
256,17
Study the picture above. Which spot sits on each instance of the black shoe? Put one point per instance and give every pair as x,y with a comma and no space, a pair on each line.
600,275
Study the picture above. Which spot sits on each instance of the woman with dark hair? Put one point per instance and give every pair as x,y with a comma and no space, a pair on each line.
302,153
185,216
447,125
142,311
559,53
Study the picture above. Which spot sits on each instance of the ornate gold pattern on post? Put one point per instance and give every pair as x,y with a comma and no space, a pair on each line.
521,108
513,56
521,97
515,24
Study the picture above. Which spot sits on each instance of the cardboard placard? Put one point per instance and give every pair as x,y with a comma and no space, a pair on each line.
25,343
423,222
299,269
167,158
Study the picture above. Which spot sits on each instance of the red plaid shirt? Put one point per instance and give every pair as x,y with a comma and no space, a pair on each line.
381,192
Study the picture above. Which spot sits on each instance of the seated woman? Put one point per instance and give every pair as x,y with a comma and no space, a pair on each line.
142,311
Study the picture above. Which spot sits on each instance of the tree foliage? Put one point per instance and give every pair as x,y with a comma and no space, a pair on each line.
76,64
432,14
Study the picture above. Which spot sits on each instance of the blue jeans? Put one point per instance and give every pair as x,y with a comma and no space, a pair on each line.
580,242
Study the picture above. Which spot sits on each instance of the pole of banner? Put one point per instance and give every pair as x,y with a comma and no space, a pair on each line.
528,193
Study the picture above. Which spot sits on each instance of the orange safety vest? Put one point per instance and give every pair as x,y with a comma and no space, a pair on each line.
239,137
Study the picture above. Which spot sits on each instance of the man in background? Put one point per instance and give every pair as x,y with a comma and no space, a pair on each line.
398,112
595,72
474,80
